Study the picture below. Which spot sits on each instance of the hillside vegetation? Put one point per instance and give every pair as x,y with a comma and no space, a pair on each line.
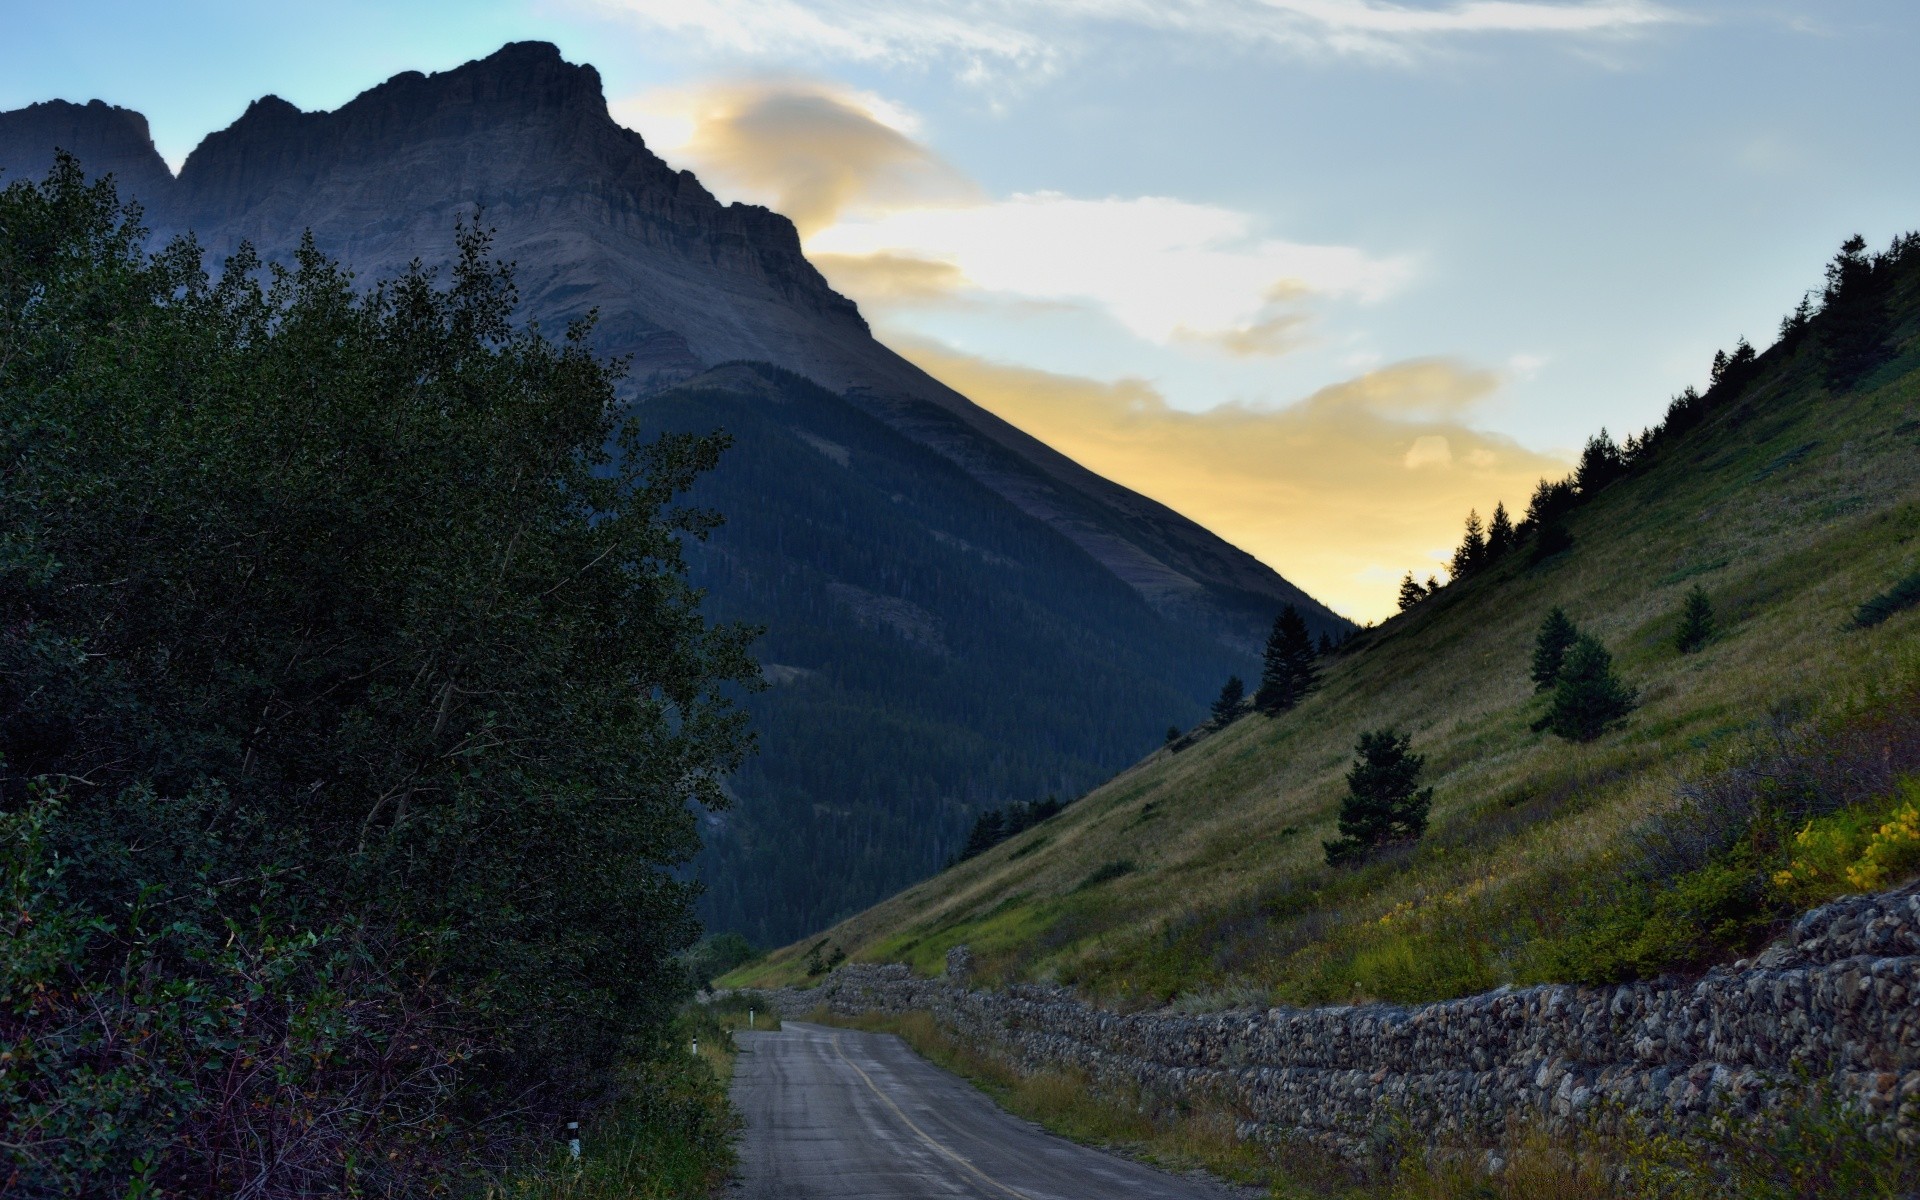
1761,772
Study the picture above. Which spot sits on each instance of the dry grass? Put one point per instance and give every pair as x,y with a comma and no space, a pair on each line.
1229,895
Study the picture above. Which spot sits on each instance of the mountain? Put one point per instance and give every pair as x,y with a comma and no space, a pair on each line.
957,615
1761,773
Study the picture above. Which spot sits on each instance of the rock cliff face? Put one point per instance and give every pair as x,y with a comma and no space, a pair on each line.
596,221
1833,1003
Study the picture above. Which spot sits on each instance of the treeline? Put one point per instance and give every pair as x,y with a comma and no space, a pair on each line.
997,825
355,716
1855,329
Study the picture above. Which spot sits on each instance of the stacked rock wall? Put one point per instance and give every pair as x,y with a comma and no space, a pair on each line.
1836,1002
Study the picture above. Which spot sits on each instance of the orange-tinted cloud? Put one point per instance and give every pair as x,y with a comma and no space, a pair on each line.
811,150
1341,492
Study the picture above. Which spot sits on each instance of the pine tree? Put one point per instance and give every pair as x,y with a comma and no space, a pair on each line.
1384,802
1173,734
1856,313
1600,464
1588,698
1696,621
1325,647
1411,593
1557,635
1472,553
1227,706
1288,670
1500,535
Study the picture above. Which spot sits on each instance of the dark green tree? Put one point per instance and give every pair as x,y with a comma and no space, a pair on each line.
1471,554
1600,464
1173,734
1557,635
347,618
1500,534
1856,312
1325,646
1696,621
1385,802
1288,669
1412,592
1588,698
1226,706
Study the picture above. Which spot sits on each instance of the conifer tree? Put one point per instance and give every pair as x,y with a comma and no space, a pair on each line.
1411,592
1325,646
1384,802
1696,621
1472,552
1227,705
1173,734
1288,670
1500,535
1588,698
1433,584
1557,635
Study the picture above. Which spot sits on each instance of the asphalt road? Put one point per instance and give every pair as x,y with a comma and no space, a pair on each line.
859,1116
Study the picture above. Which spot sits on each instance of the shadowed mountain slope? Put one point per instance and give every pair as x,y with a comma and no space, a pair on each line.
958,615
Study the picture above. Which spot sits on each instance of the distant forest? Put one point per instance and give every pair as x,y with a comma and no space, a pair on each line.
931,653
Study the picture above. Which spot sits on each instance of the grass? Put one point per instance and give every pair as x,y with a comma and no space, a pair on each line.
669,1137
1794,508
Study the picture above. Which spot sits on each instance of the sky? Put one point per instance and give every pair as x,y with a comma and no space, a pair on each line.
1320,274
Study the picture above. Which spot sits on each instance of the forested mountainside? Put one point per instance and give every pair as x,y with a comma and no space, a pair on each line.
1679,703
929,651
1118,617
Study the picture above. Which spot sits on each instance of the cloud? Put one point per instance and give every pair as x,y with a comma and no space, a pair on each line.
990,39
812,150
1341,492
890,222
1168,270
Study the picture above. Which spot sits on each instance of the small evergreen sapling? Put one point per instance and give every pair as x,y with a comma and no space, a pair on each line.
1227,706
1589,698
1289,670
1384,803
1696,621
1411,592
1556,637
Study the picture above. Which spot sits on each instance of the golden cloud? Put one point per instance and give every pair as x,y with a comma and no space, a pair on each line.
889,278
1341,492
810,149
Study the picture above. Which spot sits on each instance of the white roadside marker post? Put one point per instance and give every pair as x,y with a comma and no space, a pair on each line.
749,1018
573,1140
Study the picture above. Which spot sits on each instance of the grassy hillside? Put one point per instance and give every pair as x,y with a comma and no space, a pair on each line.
1198,876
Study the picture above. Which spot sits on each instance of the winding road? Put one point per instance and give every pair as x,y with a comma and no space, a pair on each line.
859,1116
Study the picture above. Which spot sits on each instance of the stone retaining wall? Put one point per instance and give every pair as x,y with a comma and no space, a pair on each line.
1836,1001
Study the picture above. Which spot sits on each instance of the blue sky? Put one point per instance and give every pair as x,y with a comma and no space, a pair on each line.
1320,273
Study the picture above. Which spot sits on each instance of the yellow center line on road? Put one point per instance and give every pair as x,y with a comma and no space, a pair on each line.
985,1178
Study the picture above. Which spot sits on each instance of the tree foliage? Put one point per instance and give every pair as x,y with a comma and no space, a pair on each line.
345,617
1384,802
1226,706
1289,667
1588,697
1696,621
1550,646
